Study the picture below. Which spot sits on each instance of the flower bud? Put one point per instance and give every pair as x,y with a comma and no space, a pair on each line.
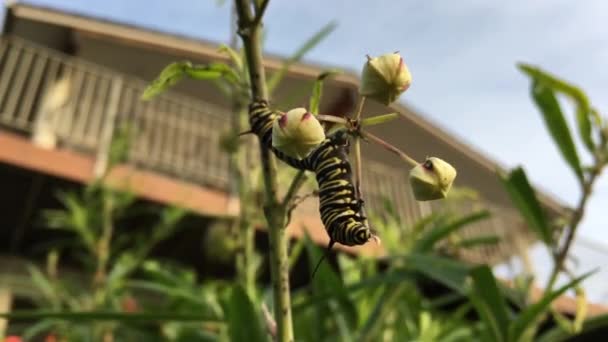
296,133
432,179
384,78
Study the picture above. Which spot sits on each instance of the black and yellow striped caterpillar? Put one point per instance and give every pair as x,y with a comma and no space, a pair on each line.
341,211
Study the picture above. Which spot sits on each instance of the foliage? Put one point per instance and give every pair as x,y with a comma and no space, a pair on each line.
121,292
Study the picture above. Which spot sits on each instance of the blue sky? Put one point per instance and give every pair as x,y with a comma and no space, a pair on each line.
462,55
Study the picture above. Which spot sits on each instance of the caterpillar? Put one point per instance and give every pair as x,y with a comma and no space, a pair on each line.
341,212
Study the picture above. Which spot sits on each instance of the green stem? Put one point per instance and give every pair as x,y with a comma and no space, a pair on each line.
575,220
249,28
359,108
390,148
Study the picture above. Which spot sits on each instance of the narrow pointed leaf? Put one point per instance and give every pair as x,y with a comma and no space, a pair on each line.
524,198
448,272
584,112
528,317
244,324
234,56
308,45
428,240
317,90
175,72
379,119
545,100
489,301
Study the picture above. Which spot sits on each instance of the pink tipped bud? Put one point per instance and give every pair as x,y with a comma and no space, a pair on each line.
297,132
384,78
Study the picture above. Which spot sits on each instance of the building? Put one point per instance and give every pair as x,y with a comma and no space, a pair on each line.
68,81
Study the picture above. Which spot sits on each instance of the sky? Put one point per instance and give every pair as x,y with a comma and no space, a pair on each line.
462,56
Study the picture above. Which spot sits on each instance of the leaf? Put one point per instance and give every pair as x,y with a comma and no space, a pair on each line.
448,272
379,119
557,334
317,90
489,302
527,318
176,71
479,241
308,45
327,281
243,322
428,240
545,100
524,198
584,111
234,56
78,316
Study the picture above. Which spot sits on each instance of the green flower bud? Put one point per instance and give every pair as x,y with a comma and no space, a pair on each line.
297,132
384,78
432,179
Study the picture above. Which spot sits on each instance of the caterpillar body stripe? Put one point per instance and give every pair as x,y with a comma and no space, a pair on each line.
341,211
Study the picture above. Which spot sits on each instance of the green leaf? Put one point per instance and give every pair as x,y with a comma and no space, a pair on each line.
317,90
584,111
308,45
428,240
234,56
479,241
449,272
525,200
77,316
528,318
243,321
379,119
558,334
176,71
545,100
489,302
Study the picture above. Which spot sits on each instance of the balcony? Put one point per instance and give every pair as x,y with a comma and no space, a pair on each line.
63,102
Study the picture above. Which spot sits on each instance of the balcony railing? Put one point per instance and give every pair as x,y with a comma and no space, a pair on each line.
59,99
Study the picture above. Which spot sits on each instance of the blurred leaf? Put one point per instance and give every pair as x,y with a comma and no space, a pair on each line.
429,238
328,281
244,323
448,272
583,110
581,309
176,71
545,100
557,334
527,319
106,316
479,241
524,198
489,302
371,327
234,56
308,45
317,90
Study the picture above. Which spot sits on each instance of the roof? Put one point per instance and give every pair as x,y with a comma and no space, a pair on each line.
196,48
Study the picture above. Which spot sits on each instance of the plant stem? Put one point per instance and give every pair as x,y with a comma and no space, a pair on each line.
249,28
391,148
560,257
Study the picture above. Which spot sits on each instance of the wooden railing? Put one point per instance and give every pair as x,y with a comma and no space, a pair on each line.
84,106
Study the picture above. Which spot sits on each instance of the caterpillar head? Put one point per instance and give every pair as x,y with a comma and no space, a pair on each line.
384,78
297,132
432,179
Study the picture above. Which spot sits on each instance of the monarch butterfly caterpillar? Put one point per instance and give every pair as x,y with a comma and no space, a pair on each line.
341,212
